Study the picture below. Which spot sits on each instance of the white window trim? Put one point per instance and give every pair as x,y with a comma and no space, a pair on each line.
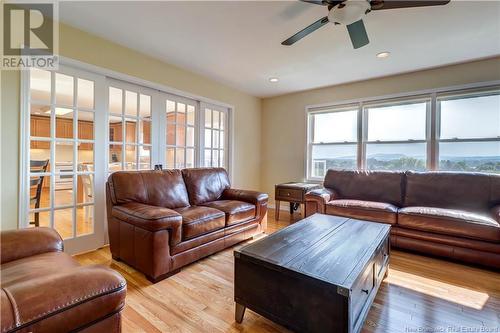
432,119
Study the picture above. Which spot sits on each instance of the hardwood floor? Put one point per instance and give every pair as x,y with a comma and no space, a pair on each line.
64,217
420,294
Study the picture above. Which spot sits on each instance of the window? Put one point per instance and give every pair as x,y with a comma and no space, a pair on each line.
333,140
435,131
469,137
396,136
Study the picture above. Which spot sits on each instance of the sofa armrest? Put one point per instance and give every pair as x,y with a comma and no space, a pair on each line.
71,297
317,199
258,199
495,211
22,243
151,218
252,197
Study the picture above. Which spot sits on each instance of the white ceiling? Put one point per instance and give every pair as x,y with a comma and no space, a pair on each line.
238,43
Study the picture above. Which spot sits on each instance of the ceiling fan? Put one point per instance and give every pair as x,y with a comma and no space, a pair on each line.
350,14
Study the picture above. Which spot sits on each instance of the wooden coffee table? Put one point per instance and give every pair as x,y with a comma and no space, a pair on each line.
318,275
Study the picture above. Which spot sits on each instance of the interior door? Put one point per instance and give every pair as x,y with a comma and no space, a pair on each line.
62,174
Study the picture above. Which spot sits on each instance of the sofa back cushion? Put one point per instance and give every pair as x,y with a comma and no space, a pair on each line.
205,184
495,190
164,188
454,190
381,186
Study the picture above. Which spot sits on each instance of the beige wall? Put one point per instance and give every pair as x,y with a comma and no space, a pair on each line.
90,49
283,117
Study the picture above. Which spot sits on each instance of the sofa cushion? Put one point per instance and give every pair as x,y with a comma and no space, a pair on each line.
450,222
199,220
147,217
236,211
205,184
363,210
166,188
127,186
380,186
451,190
163,188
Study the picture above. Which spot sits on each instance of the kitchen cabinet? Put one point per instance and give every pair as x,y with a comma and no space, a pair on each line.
64,128
130,133
147,132
40,127
115,132
86,132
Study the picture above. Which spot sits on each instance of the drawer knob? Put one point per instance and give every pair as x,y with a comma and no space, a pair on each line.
365,291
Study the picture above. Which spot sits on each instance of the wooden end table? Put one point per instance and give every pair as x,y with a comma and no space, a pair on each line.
294,193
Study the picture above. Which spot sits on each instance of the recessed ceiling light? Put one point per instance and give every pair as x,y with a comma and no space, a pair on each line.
274,79
384,54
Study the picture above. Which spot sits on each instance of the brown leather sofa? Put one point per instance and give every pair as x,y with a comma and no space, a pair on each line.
447,214
160,221
45,290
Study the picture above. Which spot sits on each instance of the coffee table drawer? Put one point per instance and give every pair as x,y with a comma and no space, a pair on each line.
289,194
360,292
381,257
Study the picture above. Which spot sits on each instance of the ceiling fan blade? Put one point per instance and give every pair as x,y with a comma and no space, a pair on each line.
306,31
394,4
316,2
357,33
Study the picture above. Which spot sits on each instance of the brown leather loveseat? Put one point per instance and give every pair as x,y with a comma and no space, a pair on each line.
448,214
45,290
159,221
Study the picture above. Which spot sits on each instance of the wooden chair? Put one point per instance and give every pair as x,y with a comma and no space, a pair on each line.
88,188
37,181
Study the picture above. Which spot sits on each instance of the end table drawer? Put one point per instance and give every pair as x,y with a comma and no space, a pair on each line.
289,194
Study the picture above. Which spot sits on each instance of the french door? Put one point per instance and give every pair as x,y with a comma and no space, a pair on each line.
61,170
132,127
79,127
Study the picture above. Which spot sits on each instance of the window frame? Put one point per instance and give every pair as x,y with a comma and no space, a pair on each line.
432,131
455,95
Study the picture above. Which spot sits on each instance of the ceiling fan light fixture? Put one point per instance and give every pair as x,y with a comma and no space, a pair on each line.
349,12
382,55
274,80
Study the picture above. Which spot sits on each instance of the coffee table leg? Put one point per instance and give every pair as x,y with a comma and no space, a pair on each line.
240,311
